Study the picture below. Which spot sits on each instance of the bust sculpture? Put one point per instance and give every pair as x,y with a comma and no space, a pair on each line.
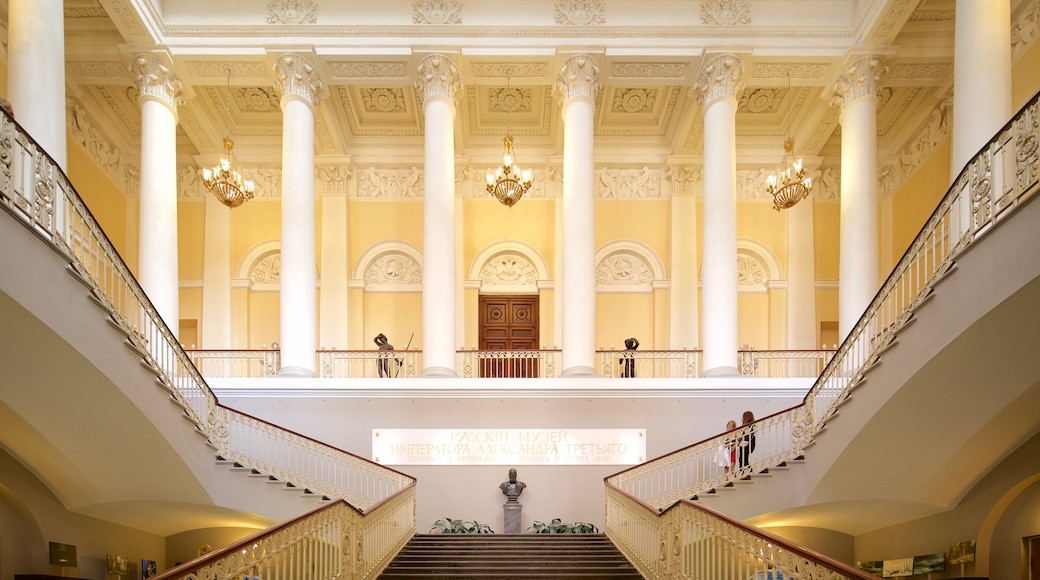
512,488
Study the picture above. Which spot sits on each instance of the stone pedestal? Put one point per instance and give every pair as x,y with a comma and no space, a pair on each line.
511,515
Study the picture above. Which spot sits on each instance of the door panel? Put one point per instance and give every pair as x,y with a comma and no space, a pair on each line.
509,323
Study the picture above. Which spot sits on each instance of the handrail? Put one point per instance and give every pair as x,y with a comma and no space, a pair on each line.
38,194
339,541
697,542
991,187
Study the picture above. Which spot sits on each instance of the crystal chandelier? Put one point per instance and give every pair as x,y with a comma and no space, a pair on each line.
789,185
508,183
224,179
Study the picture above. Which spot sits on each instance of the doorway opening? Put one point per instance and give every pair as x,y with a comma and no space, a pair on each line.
509,323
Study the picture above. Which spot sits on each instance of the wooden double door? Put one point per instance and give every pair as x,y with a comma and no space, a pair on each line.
509,323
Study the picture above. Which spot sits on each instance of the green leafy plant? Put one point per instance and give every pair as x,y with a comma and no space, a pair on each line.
451,526
557,526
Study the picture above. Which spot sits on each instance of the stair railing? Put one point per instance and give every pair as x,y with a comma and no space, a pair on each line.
998,180
332,541
38,193
688,540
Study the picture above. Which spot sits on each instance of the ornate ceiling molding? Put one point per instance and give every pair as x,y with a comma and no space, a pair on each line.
580,12
726,13
648,70
437,12
376,183
292,12
642,183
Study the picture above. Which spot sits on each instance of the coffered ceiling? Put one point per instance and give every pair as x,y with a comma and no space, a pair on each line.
650,53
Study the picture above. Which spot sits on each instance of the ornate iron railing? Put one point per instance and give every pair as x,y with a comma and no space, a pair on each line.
1002,176
782,363
692,541
649,364
236,363
333,541
353,364
37,193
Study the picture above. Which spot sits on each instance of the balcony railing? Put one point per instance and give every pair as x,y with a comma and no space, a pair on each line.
543,363
997,181
37,193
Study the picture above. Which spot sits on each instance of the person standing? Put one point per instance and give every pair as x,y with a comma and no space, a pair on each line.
746,444
726,454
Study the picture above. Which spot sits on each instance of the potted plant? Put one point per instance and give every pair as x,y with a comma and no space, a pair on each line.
557,526
452,526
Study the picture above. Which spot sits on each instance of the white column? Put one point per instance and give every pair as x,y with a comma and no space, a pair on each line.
159,94
333,307
856,91
717,89
982,77
216,276
438,85
801,277
684,331
36,72
577,83
299,85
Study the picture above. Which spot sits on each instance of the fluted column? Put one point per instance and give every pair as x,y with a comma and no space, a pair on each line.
856,92
216,276
685,323
299,84
438,85
577,84
159,94
717,89
982,71
801,277
36,72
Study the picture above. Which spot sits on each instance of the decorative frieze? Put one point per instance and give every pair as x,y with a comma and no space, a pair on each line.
648,70
438,77
267,272
368,70
219,69
750,272
919,72
295,75
390,183
720,77
826,185
96,69
642,183
780,70
861,79
725,12
934,133
898,12
580,12
533,70
1025,29
153,77
578,77
437,12
123,172
292,12
334,178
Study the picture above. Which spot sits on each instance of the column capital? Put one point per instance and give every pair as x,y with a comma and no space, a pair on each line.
155,78
438,77
683,177
578,77
721,77
295,75
860,79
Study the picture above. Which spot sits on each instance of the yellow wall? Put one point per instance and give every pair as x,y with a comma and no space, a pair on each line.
620,316
917,198
643,220
104,200
1025,77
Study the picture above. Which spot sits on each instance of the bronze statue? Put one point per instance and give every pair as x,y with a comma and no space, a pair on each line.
512,488
383,364
628,361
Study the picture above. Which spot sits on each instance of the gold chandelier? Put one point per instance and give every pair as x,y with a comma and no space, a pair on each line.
224,179
789,185
508,183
